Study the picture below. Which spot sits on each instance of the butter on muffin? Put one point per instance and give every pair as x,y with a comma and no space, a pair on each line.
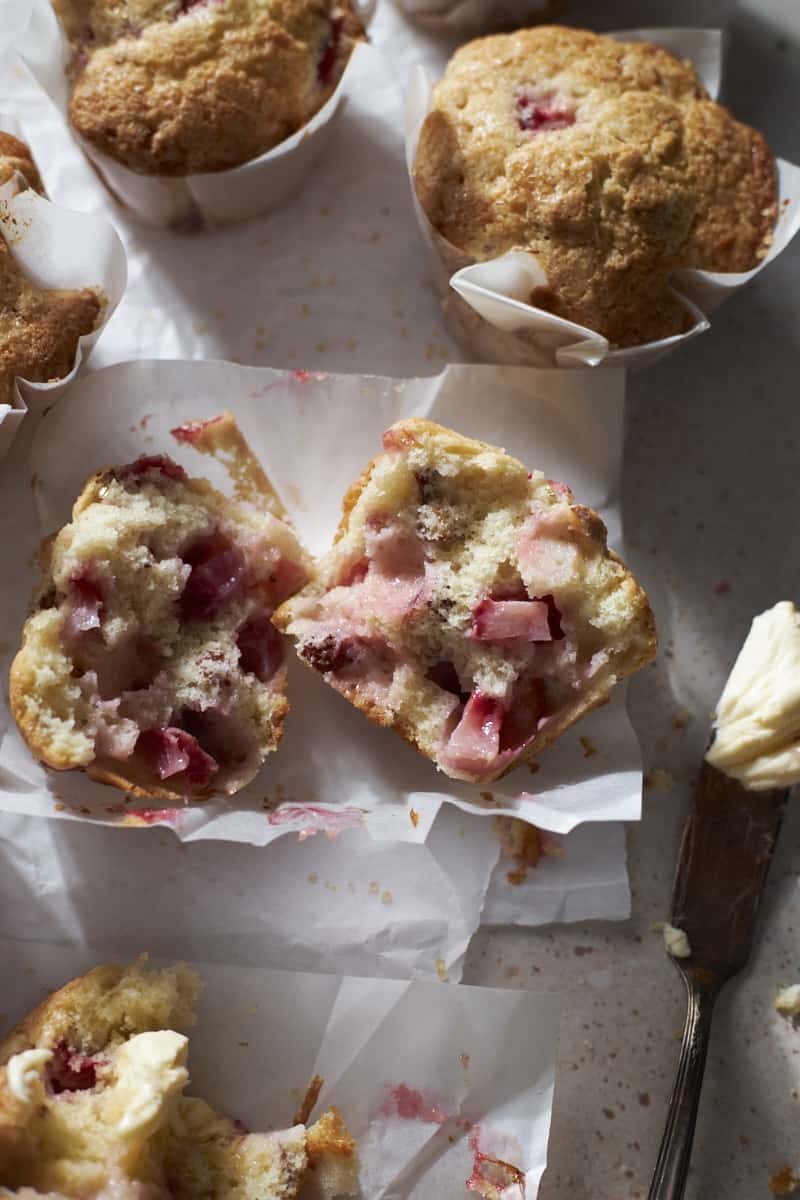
606,160
176,87
150,660
92,1104
469,604
39,327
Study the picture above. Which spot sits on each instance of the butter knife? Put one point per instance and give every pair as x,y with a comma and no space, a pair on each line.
727,846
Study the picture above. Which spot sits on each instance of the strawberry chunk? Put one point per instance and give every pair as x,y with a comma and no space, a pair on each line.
544,112
217,575
148,469
71,1071
507,620
260,647
171,751
330,52
475,742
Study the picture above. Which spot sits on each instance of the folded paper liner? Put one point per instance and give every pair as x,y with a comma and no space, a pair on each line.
474,16
348,772
57,249
188,202
475,1077
486,303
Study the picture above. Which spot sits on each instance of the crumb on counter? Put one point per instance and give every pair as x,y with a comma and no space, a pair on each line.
784,1182
787,1002
659,780
676,942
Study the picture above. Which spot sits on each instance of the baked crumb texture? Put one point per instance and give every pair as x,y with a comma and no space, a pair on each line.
606,160
92,1104
39,327
150,660
469,605
175,87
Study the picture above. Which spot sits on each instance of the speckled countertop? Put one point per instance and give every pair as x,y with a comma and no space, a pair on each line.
710,509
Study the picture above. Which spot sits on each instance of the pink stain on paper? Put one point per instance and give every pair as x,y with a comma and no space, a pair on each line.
153,816
308,376
313,820
410,1104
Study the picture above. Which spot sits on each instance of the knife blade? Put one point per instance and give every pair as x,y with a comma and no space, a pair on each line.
727,846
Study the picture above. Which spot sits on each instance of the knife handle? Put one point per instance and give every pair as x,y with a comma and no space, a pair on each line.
672,1167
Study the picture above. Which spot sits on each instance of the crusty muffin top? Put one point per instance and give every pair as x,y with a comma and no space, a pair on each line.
174,87
605,159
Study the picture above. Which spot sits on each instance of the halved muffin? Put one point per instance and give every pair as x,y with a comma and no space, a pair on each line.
150,660
92,1104
469,604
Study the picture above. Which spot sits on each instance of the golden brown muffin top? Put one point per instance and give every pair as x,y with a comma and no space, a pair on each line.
175,87
39,328
605,159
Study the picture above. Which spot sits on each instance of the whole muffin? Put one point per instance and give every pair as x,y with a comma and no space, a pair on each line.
606,160
39,327
175,87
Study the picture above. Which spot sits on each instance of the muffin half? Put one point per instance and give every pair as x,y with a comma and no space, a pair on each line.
469,604
150,660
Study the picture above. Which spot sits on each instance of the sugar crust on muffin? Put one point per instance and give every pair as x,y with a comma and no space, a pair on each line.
468,604
39,327
606,160
176,87
92,1104
150,660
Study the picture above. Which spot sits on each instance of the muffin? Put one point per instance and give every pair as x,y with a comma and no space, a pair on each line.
150,661
605,160
468,604
92,1104
176,87
39,327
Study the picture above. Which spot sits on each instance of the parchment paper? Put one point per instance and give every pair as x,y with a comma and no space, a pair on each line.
566,423
479,1066
490,314
585,879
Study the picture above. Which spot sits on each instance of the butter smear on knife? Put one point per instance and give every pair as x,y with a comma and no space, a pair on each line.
757,727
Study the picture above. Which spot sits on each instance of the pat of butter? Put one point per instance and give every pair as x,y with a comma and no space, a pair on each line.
25,1074
676,942
150,1069
757,730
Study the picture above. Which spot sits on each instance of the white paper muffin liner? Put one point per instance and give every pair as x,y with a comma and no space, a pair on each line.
190,202
485,303
471,17
58,249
